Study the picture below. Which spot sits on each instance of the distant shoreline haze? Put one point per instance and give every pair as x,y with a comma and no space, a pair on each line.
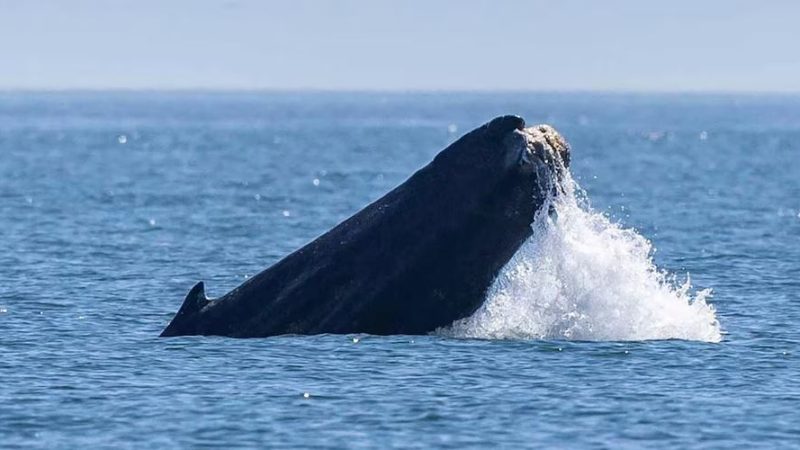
570,45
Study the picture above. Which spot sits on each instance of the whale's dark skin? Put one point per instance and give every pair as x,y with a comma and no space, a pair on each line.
417,259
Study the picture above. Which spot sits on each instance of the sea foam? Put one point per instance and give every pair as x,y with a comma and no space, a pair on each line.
581,276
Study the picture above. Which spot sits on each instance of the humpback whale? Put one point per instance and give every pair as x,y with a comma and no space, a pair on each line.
416,259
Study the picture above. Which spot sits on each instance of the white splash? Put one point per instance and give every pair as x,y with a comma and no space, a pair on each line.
582,277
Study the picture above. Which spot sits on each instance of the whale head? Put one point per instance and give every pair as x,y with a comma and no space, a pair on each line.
506,168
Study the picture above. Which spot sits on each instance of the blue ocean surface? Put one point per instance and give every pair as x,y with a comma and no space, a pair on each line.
113,204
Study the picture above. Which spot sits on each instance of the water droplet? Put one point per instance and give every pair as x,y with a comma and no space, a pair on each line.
29,200
286,213
452,128
655,135
152,222
122,139
703,135
355,340
316,182
306,395
257,197
3,310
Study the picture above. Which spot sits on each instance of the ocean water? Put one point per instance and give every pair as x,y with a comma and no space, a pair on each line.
657,308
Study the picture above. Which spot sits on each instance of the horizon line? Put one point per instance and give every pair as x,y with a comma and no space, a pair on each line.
395,91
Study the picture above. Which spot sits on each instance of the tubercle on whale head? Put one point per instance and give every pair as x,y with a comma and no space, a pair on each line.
543,144
537,162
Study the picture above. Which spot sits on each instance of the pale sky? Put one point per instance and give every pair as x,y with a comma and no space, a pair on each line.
619,45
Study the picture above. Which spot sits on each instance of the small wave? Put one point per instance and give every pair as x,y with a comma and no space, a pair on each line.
582,277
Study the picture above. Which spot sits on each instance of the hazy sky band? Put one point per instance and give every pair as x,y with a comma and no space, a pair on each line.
409,45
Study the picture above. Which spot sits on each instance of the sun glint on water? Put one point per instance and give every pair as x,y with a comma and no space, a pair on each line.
583,277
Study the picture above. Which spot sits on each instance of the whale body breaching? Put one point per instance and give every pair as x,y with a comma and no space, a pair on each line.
417,259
